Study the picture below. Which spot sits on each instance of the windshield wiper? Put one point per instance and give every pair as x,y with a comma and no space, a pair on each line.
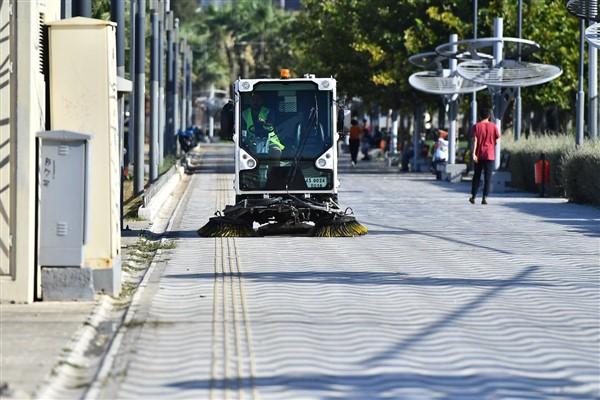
311,122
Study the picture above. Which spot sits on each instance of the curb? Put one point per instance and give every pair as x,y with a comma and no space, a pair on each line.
105,369
156,196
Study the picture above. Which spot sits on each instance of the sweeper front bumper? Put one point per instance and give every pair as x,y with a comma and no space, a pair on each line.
283,215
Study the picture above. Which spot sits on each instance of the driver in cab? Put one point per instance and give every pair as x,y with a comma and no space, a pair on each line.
258,121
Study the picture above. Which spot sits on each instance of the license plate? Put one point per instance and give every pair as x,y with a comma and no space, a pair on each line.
316,182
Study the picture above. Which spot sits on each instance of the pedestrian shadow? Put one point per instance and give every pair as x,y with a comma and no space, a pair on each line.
385,231
388,385
499,285
367,381
574,217
399,231
578,218
357,278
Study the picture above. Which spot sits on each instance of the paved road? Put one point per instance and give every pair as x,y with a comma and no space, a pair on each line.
442,299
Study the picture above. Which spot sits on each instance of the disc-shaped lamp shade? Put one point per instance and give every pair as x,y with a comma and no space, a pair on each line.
483,48
592,34
508,73
430,82
585,9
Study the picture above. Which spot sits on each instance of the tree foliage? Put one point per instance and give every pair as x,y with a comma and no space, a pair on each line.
365,44
246,40
185,10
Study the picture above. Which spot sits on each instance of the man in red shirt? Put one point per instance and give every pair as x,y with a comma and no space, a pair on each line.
485,136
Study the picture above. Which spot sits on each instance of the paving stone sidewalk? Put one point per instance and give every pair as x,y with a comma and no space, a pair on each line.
441,299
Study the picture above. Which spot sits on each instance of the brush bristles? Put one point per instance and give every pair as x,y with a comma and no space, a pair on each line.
222,227
345,226
339,229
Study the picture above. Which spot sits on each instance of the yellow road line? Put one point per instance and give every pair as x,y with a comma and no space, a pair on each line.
247,327
229,303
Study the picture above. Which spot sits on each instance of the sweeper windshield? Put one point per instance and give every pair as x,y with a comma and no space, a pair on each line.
286,130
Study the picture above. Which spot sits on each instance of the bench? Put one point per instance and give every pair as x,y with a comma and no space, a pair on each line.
499,179
453,172
502,175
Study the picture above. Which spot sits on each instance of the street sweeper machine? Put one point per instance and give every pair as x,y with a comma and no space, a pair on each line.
286,180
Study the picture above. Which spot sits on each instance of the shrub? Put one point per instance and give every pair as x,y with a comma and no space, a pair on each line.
524,154
574,171
581,173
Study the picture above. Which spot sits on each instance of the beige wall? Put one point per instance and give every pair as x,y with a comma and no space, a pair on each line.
21,120
5,142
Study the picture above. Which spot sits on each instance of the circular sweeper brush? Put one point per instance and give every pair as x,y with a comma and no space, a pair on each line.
338,225
220,226
283,215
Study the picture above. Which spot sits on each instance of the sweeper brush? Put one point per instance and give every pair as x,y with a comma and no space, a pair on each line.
220,226
344,226
283,215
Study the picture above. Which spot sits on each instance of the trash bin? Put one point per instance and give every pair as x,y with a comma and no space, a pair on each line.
542,173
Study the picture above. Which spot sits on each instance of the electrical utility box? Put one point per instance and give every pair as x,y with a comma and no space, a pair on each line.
64,194
83,98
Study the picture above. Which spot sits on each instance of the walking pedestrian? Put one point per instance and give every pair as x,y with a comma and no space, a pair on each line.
354,140
485,136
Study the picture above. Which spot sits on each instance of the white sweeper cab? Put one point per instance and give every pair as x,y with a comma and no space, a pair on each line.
286,180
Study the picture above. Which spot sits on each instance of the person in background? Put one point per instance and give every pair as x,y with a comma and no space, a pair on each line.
440,150
485,136
408,154
354,140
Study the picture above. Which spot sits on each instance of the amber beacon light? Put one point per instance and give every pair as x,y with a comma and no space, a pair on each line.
285,74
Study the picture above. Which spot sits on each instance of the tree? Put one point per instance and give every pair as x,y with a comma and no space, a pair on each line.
366,44
241,40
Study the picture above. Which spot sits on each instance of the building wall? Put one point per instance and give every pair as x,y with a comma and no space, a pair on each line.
20,122
5,142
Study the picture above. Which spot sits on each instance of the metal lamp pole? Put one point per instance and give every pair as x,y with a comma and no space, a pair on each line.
139,98
580,93
518,109
154,100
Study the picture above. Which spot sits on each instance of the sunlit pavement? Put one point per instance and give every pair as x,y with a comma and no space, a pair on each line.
441,299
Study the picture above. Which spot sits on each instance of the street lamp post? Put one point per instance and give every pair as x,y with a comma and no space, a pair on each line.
580,94
184,53
162,6
518,107
128,158
154,99
140,76
117,13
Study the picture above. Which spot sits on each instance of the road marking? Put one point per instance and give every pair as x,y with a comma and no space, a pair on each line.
232,334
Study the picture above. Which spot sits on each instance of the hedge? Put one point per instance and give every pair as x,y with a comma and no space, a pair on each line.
574,171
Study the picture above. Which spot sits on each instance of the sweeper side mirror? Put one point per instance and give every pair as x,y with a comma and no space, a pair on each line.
227,121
